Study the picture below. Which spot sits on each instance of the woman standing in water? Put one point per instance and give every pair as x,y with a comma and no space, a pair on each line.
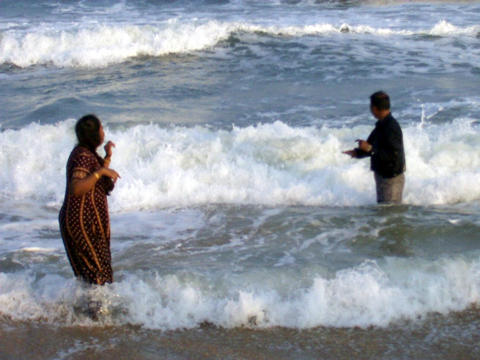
84,220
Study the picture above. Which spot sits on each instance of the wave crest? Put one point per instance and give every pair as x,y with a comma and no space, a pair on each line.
269,164
362,296
108,44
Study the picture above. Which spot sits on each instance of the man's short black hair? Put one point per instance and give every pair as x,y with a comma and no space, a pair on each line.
380,100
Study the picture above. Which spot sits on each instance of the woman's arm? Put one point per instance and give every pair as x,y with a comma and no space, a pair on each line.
80,187
108,150
106,161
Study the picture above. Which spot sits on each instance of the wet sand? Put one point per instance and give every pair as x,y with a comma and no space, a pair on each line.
456,336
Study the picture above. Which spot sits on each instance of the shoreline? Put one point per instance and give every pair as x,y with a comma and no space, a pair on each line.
454,336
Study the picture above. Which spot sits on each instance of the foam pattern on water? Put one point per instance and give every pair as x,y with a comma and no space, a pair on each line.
269,164
362,296
105,44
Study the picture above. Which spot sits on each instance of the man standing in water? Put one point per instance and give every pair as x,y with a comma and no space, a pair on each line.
384,146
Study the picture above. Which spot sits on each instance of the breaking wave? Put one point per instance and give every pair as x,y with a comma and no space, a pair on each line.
109,44
362,296
267,164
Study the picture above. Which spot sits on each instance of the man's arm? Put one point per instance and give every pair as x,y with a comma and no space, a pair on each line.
365,148
352,153
361,154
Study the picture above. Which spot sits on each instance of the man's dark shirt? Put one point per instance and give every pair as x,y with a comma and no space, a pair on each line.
387,155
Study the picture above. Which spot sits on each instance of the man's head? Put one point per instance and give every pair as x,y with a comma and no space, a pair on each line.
380,105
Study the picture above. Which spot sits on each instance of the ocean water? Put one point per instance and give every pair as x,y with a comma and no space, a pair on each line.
237,221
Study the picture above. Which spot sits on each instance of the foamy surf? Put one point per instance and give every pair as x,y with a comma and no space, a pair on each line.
267,164
106,44
238,226
367,295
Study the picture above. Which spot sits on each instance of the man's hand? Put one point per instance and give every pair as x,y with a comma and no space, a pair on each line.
351,153
108,148
364,146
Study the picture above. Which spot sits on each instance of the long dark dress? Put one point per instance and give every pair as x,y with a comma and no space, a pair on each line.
84,221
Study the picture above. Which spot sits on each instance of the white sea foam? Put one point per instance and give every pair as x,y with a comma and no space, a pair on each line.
269,164
107,44
362,296
38,250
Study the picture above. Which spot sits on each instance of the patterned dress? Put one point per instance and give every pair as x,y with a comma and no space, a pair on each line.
84,221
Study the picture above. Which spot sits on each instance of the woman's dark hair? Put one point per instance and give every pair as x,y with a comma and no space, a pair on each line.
88,132
380,100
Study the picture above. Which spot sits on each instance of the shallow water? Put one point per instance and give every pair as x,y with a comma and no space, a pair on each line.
237,219
441,337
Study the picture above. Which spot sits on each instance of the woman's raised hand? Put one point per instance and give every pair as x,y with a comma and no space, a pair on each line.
108,148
